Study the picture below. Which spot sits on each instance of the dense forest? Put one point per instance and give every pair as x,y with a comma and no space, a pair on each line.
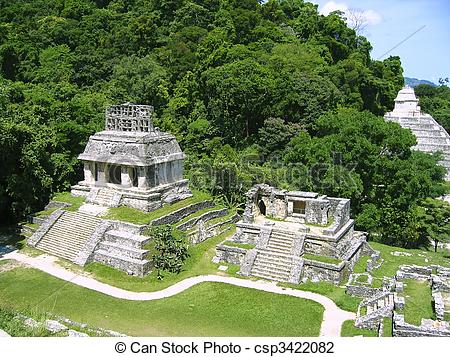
254,91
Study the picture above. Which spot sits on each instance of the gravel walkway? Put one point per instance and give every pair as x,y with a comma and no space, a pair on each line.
332,319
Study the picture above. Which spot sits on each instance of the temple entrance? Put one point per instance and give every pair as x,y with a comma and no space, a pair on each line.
299,207
134,176
262,207
115,174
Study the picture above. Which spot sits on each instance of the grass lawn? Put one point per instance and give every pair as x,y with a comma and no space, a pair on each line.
349,330
387,327
199,263
132,215
16,327
76,202
418,301
208,309
392,263
335,293
238,245
360,266
322,259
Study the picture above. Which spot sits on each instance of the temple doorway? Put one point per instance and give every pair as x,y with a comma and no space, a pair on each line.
115,174
262,207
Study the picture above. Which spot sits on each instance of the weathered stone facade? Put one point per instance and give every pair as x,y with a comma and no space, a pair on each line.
431,136
285,225
132,163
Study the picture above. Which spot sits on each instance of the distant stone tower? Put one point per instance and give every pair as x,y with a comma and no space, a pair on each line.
431,137
132,163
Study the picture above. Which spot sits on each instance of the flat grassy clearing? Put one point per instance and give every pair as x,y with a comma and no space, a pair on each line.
418,257
76,202
135,216
208,309
349,330
199,263
335,293
418,301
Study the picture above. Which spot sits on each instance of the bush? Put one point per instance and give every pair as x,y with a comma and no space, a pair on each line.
171,249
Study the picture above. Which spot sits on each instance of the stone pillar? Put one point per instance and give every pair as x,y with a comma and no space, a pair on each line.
142,178
101,173
125,176
88,177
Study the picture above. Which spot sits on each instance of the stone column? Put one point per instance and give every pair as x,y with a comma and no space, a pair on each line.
125,176
88,177
142,178
101,173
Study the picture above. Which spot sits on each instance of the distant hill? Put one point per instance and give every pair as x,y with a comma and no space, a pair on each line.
413,82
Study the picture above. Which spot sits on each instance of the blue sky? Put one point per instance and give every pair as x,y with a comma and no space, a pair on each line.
426,55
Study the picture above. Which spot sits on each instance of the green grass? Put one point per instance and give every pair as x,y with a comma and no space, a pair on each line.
392,263
447,317
238,245
322,259
132,215
231,213
16,327
362,279
377,283
349,330
46,212
387,327
33,226
198,263
360,266
329,223
418,301
208,309
335,293
75,202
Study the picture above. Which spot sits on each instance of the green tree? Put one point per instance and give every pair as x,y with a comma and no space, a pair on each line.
171,249
434,221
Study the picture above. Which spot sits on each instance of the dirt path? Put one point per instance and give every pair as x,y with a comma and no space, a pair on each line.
333,316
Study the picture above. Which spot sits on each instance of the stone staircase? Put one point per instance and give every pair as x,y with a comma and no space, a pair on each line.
431,137
275,260
103,197
377,307
68,235
123,250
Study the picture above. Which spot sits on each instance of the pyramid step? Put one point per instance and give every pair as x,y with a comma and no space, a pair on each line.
122,250
269,276
127,264
273,268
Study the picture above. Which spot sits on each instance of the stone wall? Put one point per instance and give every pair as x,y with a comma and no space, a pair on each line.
362,291
246,233
414,272
44,228
204,217
231,255
318,271
428,328
181,213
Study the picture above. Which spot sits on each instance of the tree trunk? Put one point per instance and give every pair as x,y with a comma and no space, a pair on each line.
435,245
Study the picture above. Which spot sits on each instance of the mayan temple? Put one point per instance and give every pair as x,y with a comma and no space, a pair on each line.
431,137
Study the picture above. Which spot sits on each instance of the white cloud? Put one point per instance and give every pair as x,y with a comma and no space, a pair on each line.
331,6
368,17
